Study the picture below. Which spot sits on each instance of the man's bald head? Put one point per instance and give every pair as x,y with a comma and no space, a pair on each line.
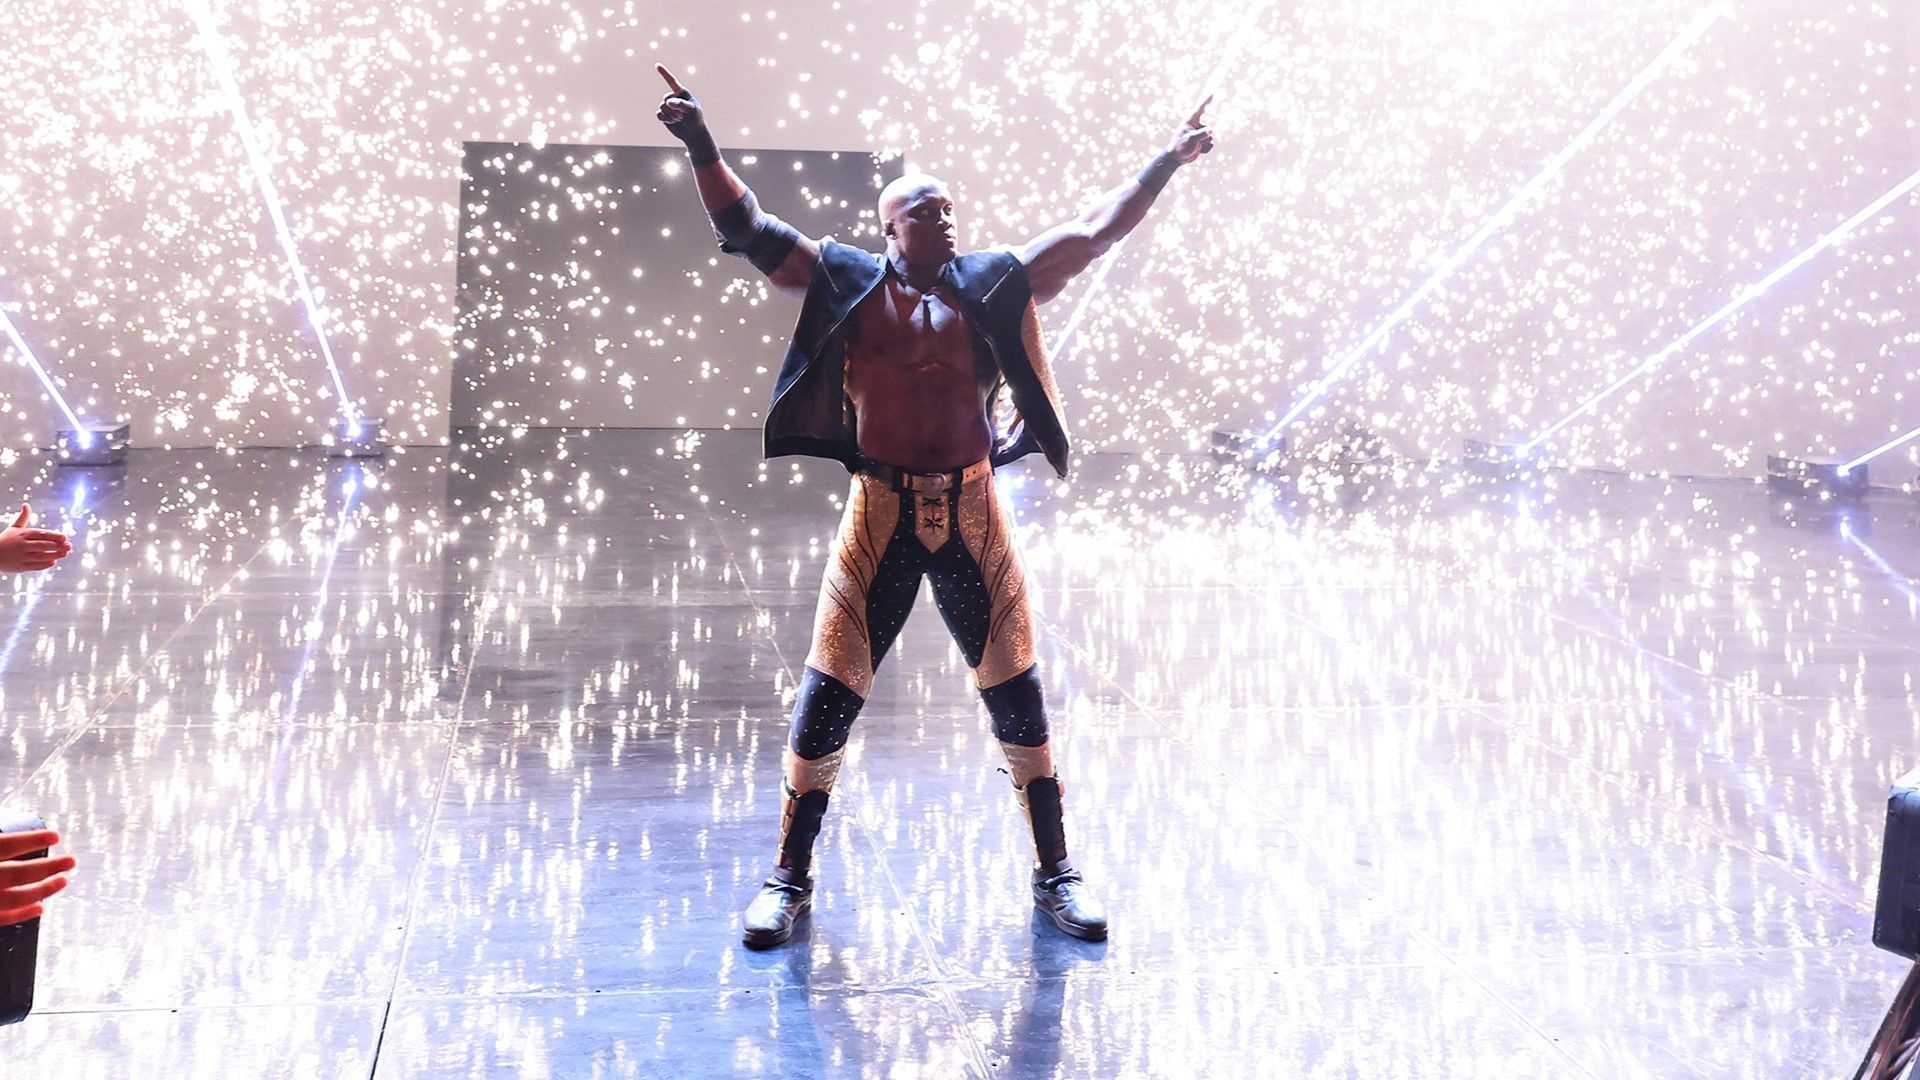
903,191
916,219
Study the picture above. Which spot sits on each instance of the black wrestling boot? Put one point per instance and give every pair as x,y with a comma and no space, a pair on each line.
1058,889
787,895
783,900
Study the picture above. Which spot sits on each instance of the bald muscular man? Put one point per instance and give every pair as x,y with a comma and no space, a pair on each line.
894,370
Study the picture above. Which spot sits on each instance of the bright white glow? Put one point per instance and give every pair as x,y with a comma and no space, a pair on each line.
1891,444
1227,45
312,630
1745,296
1898,579
217,58
1505,214
33,364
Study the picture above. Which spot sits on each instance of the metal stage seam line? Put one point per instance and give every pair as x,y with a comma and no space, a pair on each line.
454,731
1486,711
1447,959
13,794
1083,975
237,1006
942,978
1078,976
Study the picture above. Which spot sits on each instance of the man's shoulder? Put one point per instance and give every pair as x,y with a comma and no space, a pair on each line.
998,257
847,254
982,273
845,266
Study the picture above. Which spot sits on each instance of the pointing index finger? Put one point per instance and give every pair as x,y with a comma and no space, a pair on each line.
1194,120
672,83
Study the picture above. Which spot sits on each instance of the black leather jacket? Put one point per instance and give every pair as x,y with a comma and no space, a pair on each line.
809,414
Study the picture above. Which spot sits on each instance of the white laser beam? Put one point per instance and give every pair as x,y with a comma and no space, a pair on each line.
33,363
217,58
1503,216
1894,443
1740,300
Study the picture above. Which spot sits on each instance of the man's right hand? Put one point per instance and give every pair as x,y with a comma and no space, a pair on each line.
680,112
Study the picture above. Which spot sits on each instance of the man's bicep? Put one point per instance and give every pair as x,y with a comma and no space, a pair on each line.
795,272
1054,257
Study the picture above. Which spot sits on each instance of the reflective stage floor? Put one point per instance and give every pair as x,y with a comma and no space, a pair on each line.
464,763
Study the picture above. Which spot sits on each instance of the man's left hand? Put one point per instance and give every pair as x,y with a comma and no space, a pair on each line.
1194,137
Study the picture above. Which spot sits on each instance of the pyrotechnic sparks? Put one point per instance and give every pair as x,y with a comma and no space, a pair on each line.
216,50
1503,216
525,677
1742,298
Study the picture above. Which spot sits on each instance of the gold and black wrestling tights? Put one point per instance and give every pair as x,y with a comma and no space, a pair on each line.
899,528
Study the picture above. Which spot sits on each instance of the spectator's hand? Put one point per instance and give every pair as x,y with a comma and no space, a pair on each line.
23,885
22,548
1194,137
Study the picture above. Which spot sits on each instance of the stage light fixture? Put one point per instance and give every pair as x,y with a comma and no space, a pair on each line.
1496,460
360,437
1796,478
1740,300
90,446
1246,449
1505,214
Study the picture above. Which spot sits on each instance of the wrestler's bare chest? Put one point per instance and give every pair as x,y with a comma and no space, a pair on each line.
898,333
917,388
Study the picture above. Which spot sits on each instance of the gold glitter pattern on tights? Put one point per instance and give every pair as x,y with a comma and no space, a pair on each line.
817,774
842,643
1028,763
983,528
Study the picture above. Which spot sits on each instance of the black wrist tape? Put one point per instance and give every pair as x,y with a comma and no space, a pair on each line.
1158,171
701,149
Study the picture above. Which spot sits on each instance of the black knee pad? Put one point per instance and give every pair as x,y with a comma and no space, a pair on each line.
823,715
1019,714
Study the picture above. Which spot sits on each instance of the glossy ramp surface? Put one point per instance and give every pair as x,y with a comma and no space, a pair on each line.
463,764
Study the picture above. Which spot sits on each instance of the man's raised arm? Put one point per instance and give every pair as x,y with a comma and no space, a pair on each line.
774,247
1057,255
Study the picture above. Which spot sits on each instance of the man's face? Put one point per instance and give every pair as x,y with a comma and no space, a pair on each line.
920,224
